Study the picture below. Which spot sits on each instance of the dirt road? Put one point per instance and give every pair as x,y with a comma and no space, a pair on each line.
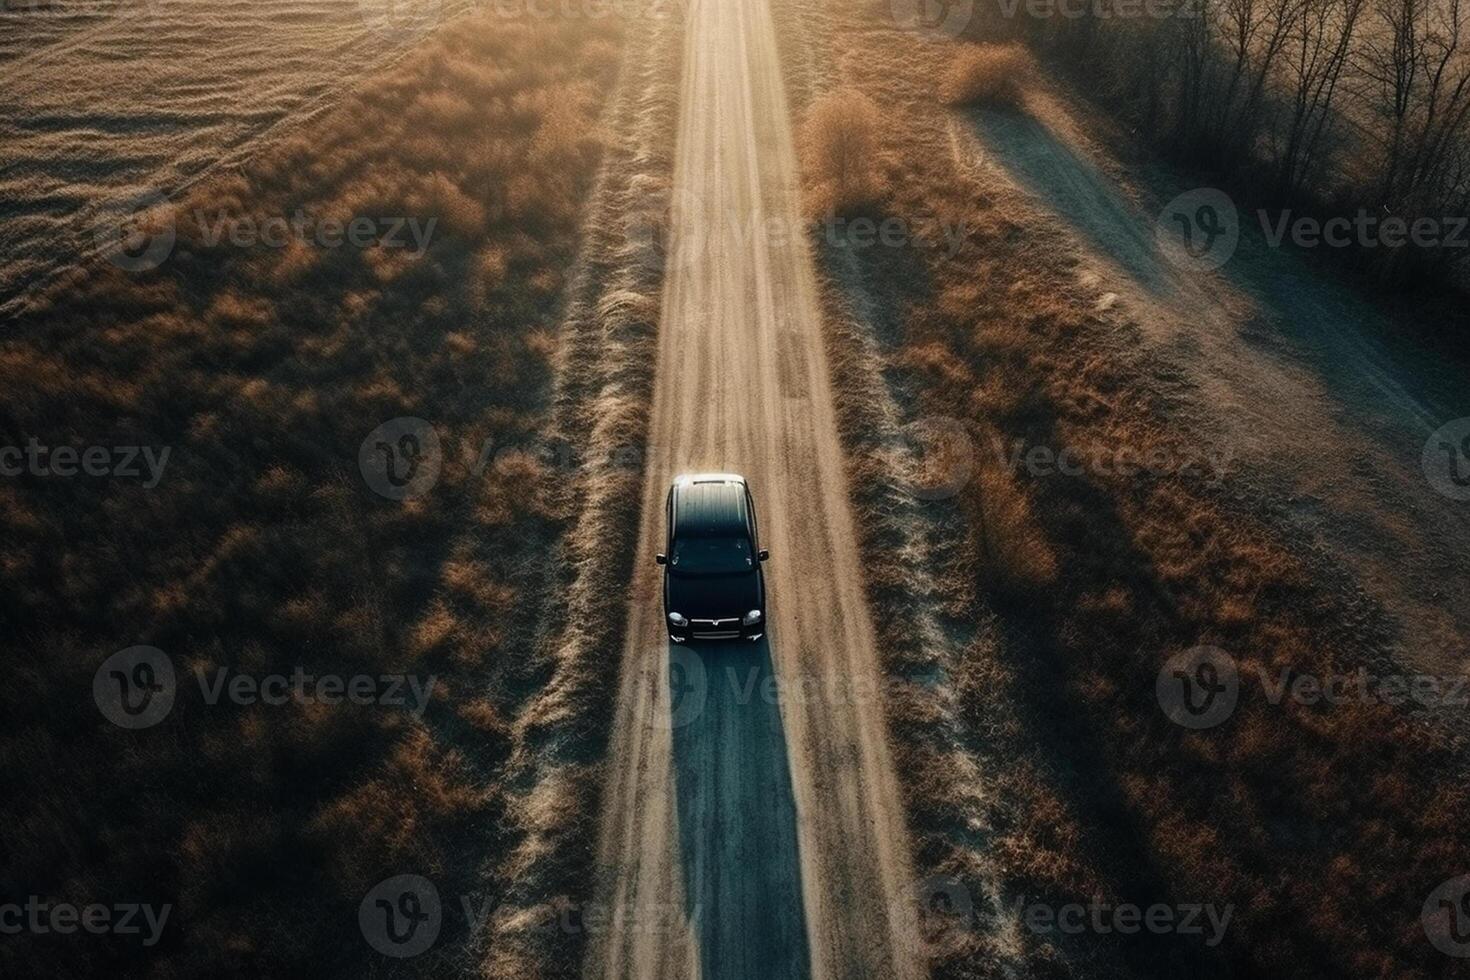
753,824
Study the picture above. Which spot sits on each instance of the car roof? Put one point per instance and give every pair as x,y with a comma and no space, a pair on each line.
710,507
684,479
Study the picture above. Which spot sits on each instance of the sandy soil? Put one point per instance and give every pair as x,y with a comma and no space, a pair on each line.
751,787
108,102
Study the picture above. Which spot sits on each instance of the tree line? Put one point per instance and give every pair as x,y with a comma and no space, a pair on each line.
1334,106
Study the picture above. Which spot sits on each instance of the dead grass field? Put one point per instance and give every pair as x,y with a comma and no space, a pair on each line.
262,548
1323,828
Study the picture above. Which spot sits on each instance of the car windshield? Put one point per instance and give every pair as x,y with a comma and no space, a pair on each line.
711,556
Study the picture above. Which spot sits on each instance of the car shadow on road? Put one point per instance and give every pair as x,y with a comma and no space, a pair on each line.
736,812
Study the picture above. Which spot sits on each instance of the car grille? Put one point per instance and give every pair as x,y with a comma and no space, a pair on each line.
715,629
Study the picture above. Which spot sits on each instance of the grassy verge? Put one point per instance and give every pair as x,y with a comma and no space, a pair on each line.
600,415
1039,765
261,353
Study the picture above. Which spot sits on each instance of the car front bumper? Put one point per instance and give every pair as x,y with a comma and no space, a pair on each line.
703,630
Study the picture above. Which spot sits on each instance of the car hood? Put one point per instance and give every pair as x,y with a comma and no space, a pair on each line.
713,596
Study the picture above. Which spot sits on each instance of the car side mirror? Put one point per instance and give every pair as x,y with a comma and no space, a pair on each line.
661,559
764,554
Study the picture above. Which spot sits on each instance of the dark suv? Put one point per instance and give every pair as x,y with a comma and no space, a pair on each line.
713,586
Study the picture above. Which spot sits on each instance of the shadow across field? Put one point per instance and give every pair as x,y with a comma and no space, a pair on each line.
736,812
1322,389
1076,190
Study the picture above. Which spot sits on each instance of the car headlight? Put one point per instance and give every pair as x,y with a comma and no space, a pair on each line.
678,620
752,617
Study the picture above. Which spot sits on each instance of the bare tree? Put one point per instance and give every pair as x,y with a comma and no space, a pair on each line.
1445,104
1194,45
1318,45
1253,33
1418,72
1391,60
1239,83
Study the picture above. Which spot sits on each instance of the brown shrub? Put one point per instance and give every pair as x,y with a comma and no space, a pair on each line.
840,153
988,74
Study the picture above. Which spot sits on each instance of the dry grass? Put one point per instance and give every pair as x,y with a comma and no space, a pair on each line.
993,75
840,154
1015,555
263,549
1324,828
